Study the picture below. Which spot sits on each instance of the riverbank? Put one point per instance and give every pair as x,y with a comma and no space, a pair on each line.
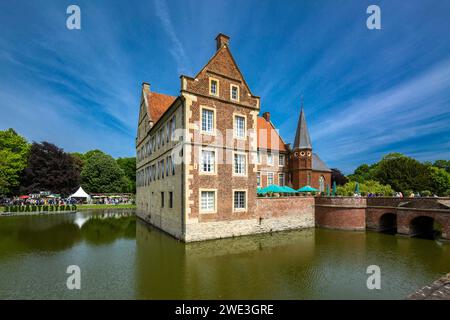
438,290
105,206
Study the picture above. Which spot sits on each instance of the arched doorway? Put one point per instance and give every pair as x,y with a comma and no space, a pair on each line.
388,223
423,227
321,184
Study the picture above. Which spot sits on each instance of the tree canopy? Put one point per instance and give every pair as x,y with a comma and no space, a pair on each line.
49,168
102,174
128,165
13,159
338,176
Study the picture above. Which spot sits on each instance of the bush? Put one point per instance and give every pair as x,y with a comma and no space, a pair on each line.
426,193
447,193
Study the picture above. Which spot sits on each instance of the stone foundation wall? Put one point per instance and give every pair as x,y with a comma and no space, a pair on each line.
273,214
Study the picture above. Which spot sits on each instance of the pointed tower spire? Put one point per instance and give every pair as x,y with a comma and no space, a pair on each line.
302,139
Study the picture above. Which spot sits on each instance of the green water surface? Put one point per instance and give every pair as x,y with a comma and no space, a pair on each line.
122,258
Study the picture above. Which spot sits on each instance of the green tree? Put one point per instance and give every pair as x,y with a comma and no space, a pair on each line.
370,186
402,173
439,180
128,165
14,151
442,164
363,173
102,174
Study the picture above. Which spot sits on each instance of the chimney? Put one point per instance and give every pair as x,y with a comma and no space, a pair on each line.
266,115
222,40
146,86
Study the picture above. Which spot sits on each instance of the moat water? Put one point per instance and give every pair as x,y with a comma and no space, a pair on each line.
122,258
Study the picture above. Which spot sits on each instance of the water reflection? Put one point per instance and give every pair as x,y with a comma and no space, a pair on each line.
124,258
52,233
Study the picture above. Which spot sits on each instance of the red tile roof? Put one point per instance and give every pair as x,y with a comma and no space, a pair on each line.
268,137
158,103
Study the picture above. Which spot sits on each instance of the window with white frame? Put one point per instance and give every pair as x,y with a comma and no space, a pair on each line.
214,87
234,92
269,159
207,201
269,178
281,180
207,120
258,179
239,126
207,161
258,157
168,163
281,160
240,202
239,164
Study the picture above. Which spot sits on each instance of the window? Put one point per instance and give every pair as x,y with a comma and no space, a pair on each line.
207,120
162,168
258,179
162,199
207,201
173,166
157,139
170,199
207,161
321,184
168,162
239,164
239,126
269,178
167,132
234,92
281,160
281,179
239,200
162,136
269,159
258,157
213,87
173,123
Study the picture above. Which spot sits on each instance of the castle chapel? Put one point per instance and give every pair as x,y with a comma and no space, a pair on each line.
202,154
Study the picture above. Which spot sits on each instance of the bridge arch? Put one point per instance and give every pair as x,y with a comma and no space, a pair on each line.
388,222
422,226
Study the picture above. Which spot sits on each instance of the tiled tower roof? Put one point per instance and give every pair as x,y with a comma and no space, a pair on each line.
302,139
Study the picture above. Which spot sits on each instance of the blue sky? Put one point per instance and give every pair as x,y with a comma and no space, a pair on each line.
366,92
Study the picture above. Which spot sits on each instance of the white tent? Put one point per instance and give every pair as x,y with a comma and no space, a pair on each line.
81,194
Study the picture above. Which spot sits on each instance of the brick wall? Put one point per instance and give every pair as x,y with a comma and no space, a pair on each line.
344,213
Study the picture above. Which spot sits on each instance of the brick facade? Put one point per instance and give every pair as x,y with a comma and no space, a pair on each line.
222,201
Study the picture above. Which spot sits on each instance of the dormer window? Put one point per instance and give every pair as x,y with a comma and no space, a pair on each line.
234,92
213,87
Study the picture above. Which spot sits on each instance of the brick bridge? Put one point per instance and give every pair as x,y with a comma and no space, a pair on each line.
405,216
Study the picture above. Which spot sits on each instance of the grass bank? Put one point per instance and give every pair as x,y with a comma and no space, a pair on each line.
105,206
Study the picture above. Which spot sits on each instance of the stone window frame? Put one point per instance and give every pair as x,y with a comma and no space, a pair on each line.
207,173
246,200
245,166
211,79
213,132
232,85
200,210
237,114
